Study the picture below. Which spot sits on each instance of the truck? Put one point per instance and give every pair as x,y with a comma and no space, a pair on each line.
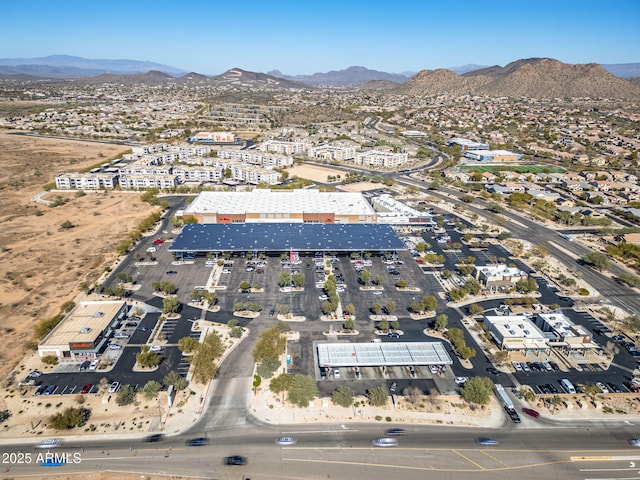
508,405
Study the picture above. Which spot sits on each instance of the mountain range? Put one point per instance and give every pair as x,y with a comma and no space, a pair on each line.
534,77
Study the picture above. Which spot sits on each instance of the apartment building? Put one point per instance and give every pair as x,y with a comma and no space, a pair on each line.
255,157
146,181
379,158
289,148
253,174
332,152
191,173
87,181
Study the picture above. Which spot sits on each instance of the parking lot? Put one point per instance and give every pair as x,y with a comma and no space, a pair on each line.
262,274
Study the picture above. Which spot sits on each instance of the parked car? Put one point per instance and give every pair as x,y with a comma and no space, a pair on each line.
50,389
115,346
393,335
40,390
93,365
120,335
131,324
494,371
86,388
34,374
155,348
461,380
336,373
602,387
113,388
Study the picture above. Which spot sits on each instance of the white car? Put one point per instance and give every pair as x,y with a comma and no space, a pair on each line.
93,365
602,387
517,366
336,373
115,346
634,442
155,348
50,443
152,249
286,441
120,335
323,297
226,270
461,380
113,388
384,442
377,292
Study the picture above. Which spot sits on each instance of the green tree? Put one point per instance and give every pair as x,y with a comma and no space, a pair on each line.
151,389
350,308
271,344
376,308
148,359
267,367
170,304
302,390
187,344
365,276
389,307
284,279
343,396
597,260
348,324
383,325
429,303
203,361
281,383
477,390
441,322
475,309
70,418
245,286
175,379
377,396
126,395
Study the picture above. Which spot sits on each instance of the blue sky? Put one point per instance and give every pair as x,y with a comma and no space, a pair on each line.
301,37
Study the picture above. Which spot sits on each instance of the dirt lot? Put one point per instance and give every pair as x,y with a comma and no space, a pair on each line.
312,172
41,263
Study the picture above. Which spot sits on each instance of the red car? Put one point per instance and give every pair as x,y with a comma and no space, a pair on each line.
86,388
531,412
158,241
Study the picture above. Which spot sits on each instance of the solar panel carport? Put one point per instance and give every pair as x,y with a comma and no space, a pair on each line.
382,354
278,237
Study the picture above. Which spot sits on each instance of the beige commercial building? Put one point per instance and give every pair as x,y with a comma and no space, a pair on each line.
84,332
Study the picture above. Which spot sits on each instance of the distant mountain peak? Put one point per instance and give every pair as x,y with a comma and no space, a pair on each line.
530,77
353,75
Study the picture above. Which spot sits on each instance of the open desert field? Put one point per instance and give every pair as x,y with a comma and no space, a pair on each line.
313,172
41,263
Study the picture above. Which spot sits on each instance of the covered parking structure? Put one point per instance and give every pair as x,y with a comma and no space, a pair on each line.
279,237
382,354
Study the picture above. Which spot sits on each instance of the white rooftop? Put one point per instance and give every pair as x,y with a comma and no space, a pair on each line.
268,201
516,326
